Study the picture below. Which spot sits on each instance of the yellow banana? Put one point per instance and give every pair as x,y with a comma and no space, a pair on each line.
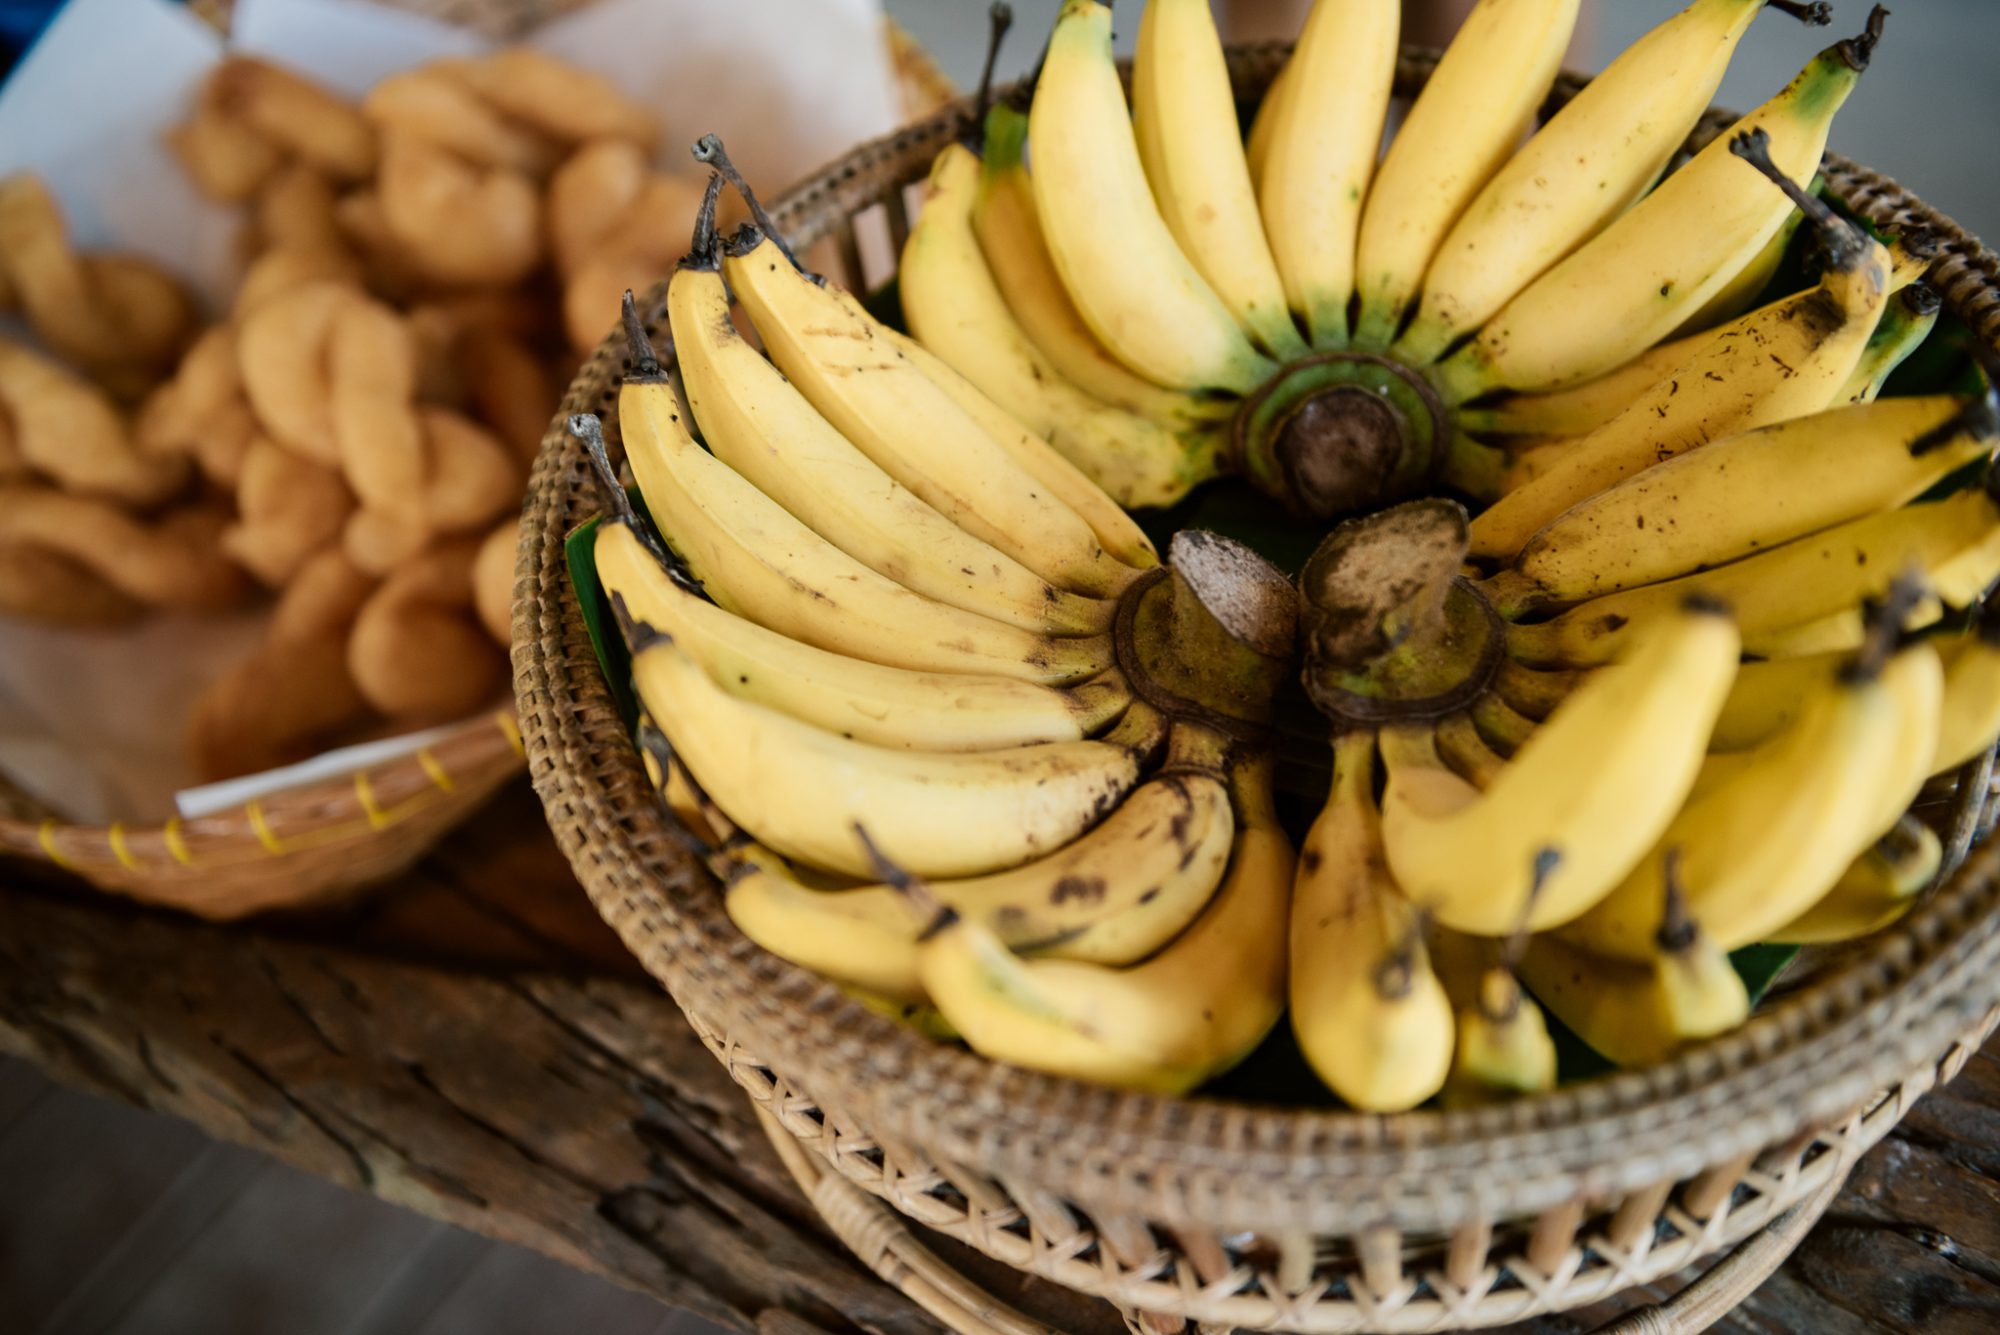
1257,144
1638,1014
1784,360
1970,718
1740,293
1747,494
800,790
759,562
754,421
844,362
958,311
1010,238
1954,543
1767,698
1904,326
1324,138
1184,118
1578,410
1114,896
1581,801
1503,1047
1466,753
1465,125
868,702
1531,693
1642,276
1127,275
1763,845
1193,1009
1367,1009
1880,887
1581,170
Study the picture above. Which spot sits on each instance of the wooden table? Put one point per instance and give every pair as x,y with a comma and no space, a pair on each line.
474,1044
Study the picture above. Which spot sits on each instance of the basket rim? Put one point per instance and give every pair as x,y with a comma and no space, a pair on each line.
1804,1059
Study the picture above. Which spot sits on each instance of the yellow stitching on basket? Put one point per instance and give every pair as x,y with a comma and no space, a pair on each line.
513,731
118,848
47,835
364,792
439,775
265,834
176,843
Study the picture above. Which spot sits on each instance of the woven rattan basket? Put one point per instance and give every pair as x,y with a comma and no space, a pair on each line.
1235,1216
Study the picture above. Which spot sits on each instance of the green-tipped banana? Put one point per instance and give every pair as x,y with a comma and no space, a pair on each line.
1184,117
1904,326
1117,256
1325,134
1642,276
956,308
1465,125
1597,155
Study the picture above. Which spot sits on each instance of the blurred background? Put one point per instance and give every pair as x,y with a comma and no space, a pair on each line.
113,1220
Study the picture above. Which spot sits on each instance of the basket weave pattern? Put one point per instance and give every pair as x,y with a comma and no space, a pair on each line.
1224,1214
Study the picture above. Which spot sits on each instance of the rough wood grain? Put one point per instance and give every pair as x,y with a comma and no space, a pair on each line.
473,1045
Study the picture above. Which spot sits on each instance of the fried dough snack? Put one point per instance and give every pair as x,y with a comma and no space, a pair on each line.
460,222
175,561
40,585
614,223
120,318
65,428
251,117
493,580
418,651
468,359
294,694
288,509
202,412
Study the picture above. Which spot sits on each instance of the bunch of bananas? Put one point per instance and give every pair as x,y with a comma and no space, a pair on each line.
949,732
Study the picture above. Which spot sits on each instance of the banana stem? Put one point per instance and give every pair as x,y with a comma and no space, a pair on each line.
1884,628
709,151
1858,51
1846,244
1210,636
999,17
704,251
1677,932
937,914
1814,15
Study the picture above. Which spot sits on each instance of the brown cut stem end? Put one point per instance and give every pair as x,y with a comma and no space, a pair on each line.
1846,245
709,151
1817,14
1678,930
1858,51
645,362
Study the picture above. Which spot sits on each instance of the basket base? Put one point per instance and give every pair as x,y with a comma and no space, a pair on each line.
884,1243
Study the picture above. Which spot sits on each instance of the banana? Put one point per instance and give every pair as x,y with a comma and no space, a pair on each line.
1578,410
1017,256
1763,845
1466,123
1581,170
1740,293
1257,144
1114,896
1767,698
754,421
1325,135
1879,888
1500,725
1184,118
1970,718
1582,800
956,308
1785,360
1638,1014
1636,281
757,561
1118,258
1954,543
1530,692
1368,1011
800,790
1904,326
868,702
1503,1047
1747,494
1193,1009
1466,753
844,362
